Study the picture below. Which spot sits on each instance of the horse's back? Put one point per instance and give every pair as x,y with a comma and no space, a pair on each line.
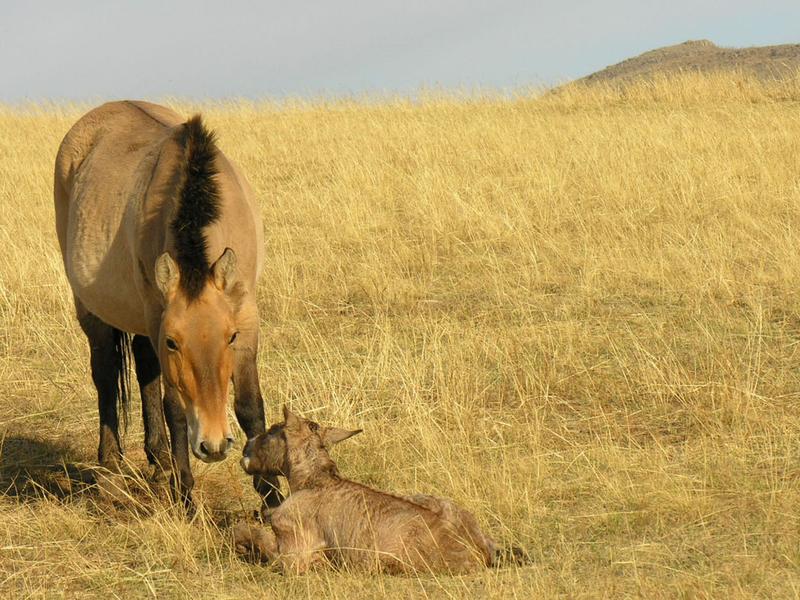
121,124
102,167
115,187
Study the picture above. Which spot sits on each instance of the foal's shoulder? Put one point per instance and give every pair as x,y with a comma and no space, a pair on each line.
298,506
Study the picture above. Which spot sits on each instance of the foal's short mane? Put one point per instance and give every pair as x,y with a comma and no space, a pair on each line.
198,204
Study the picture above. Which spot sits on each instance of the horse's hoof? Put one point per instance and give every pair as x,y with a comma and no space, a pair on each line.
159,476
265,514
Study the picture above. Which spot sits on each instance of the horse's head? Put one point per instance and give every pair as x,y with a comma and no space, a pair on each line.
197,342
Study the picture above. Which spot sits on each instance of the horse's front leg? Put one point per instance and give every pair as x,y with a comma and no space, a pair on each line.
148,373
182,479
249,409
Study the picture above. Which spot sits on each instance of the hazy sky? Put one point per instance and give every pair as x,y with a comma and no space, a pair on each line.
77,49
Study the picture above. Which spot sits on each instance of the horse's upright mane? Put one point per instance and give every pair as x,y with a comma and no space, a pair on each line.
198,204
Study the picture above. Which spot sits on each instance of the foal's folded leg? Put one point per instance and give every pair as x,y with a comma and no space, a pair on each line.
255,543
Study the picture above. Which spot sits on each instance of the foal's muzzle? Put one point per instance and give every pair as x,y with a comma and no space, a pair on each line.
248,449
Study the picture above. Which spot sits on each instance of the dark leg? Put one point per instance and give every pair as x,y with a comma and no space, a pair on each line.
249,408
182,480
148,373
107,371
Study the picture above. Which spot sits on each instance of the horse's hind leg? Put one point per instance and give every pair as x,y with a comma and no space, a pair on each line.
108,374
148,374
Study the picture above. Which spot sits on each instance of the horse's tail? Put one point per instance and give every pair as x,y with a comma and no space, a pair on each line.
122,363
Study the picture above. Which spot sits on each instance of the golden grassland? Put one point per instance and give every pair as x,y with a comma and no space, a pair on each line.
576,313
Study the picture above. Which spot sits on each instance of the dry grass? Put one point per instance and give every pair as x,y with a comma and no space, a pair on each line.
576,314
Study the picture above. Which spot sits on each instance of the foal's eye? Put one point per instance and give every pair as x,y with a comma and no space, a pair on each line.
172,345
233,338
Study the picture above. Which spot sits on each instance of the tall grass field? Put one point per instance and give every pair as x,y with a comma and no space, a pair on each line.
576,313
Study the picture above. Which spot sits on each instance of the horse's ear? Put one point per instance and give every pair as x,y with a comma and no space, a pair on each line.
334,435
167,274
224,270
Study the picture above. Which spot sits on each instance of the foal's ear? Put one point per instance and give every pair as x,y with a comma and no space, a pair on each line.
167,274
291,420
334,435
224,270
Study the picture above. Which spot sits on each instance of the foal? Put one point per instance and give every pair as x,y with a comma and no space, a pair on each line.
328,517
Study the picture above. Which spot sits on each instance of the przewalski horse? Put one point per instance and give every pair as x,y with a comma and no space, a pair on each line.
328,517
162,242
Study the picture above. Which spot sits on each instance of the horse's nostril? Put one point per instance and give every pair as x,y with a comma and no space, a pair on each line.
215,452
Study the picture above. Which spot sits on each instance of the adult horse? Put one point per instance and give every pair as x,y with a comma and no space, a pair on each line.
162,245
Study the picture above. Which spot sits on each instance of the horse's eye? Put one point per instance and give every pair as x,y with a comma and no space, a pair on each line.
172,345
233,338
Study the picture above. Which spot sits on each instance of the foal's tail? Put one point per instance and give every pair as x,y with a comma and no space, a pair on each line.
122,364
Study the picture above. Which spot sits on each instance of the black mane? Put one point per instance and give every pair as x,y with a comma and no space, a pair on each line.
198,204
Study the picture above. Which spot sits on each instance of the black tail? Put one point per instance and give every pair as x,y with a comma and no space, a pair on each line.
122,364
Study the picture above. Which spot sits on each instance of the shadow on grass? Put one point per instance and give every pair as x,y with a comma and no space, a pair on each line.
32,469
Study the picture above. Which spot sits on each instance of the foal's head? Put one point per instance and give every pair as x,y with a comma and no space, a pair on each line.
295,447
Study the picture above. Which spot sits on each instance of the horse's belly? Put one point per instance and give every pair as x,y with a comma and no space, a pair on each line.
100,269
115,303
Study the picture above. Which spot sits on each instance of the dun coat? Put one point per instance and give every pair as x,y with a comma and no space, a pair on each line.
162,245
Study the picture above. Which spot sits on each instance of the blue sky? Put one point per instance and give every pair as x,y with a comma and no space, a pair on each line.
82,50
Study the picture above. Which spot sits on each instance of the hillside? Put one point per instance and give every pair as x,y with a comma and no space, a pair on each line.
764,62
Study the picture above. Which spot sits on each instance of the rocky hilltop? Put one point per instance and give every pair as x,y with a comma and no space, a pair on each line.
765,62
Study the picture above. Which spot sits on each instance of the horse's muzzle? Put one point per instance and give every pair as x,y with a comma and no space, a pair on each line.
209,452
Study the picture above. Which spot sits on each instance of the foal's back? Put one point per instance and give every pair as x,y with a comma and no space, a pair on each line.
362,527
